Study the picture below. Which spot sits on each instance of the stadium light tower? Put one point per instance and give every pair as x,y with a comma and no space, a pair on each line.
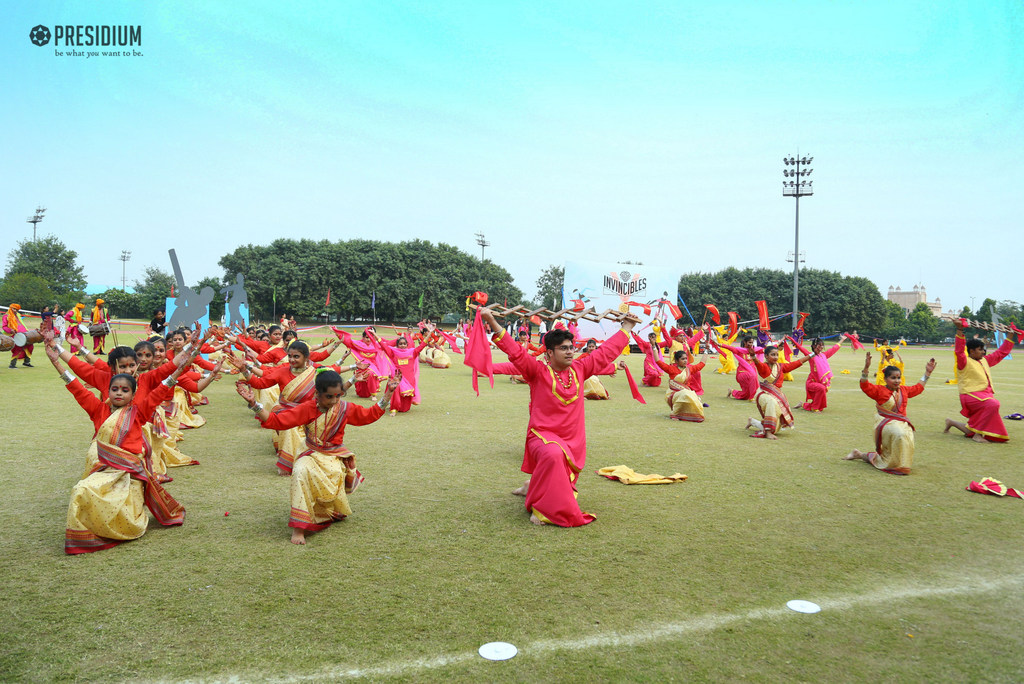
34,220
482,241
796,185
125,256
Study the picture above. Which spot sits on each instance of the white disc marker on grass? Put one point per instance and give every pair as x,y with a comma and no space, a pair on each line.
498,650
803,606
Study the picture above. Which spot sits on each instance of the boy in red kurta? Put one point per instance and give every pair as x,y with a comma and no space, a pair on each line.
556,439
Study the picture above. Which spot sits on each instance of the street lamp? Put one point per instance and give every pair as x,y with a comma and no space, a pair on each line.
125,256
34,220
797,186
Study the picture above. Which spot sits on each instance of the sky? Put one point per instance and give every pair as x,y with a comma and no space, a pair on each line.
583,131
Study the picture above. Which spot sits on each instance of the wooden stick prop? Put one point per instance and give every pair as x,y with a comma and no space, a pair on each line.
981,325
589,314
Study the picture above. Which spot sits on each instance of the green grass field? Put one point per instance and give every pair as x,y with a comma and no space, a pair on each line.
918,579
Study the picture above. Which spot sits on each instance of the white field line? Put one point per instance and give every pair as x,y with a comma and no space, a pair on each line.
653,633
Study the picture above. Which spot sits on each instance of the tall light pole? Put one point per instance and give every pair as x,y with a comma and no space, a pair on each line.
34,220
797,187
125,256
480,240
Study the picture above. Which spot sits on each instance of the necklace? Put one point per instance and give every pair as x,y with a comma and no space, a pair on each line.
566,384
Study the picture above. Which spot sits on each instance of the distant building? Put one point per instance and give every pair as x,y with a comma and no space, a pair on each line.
909,299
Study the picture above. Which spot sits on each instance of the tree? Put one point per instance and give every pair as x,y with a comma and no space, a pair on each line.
361,273
550,285
922,323
894,325
985,312
834,302
122,304
1010,312
31,291
50,259
153,290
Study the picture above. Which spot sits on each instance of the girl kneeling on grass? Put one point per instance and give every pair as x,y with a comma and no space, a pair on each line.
894,434
108,506
326,471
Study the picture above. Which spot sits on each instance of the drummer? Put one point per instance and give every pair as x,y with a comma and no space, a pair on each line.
99,327
12,325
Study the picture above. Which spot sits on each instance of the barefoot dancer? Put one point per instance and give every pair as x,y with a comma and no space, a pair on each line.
894,434
556,440
974,381
325,472
771,402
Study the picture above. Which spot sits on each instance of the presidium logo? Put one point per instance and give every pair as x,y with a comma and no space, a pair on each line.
94,36
40,35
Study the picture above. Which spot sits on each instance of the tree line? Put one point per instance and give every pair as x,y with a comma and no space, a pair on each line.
366,279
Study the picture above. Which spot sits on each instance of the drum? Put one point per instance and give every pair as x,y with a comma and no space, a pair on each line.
98,329
83,328
28,337
6,343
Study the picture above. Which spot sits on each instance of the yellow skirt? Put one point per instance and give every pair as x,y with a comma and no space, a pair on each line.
186,419
318,491
594,389
109,504
685,405
897,447
440,359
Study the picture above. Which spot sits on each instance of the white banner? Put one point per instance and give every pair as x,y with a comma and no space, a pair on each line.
608,285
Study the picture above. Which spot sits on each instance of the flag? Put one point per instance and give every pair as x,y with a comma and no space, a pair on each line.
172,289
800,321
762,312
328,302
421,300
645,307
275,294
634,390
733,323
478,352
674,310
467,302
373,302
714,313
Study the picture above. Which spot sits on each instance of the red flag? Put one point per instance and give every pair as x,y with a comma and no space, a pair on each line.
733,323
478,352
714,313
800,321
328,302
172,289
632,386
535,320
480,298
762,312
855,341
645,307
674,310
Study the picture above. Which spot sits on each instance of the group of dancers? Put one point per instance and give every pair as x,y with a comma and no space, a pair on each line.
141,398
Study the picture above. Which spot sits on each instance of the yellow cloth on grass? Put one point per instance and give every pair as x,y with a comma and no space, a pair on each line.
627,475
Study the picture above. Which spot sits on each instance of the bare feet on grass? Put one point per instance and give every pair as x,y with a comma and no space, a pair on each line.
521,491
750,424
535,520
855,455
949,424
298,536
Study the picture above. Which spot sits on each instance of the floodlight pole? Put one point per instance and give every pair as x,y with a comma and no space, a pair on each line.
125,256
480,240
797,188
34,220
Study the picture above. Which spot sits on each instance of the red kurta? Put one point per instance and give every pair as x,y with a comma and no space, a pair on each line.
556,440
